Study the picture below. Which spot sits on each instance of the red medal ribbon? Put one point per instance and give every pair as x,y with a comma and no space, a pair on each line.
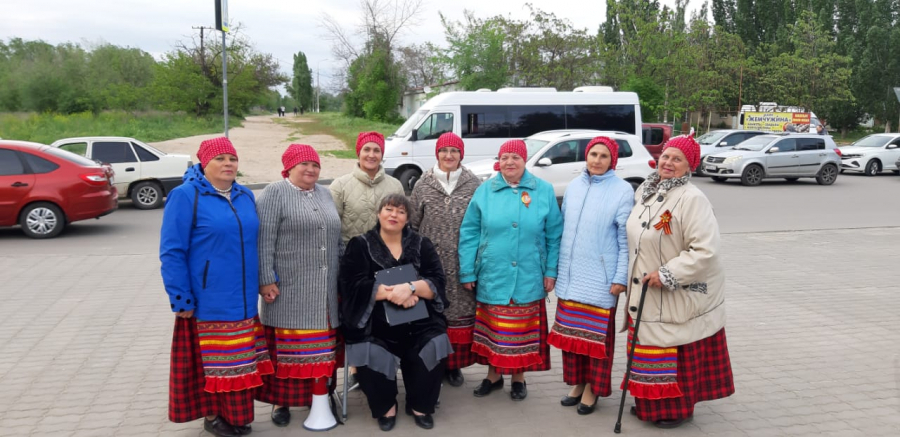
663,224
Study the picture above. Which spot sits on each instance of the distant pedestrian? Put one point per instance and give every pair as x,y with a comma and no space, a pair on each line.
210,270
295,111
681,357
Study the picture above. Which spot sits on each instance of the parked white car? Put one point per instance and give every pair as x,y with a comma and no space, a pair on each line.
143,173
557,157
872,154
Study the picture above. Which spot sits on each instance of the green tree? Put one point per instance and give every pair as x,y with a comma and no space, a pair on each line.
477,51
300,88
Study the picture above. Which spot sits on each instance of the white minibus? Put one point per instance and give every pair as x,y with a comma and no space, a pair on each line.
486,119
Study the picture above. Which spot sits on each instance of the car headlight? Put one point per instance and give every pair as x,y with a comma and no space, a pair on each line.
852,155
732,159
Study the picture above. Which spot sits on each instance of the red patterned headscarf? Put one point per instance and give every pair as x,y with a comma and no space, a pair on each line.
610,144
450,139
297,154
369,137
210,149
512,146
689,146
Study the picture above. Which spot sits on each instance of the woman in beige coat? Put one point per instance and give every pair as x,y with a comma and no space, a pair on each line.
681,356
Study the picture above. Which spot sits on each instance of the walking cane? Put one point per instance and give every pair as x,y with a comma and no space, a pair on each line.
637,324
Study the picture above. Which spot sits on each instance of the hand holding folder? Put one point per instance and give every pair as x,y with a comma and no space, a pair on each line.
395,314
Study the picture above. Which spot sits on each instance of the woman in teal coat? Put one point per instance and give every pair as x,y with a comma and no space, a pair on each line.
508,252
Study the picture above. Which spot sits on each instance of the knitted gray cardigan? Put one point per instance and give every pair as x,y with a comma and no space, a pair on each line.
299,248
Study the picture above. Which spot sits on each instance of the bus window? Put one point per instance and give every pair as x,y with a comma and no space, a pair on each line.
529,120
434,126
618,118
484,122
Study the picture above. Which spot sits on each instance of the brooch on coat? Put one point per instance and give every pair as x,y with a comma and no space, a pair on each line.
663,224
526,199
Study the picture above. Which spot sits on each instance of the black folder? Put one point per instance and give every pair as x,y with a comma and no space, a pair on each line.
395,314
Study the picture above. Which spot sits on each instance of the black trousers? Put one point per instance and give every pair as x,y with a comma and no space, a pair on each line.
423,387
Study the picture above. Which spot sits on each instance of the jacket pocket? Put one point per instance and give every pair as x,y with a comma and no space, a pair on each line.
205,273
479,257
541,250
606,279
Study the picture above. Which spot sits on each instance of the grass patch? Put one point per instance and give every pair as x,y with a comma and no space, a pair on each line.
343,128
150,126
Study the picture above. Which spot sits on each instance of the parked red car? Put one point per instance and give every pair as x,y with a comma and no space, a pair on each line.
43,188
655,136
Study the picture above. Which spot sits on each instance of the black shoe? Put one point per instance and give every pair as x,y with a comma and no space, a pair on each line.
281,416
243,429
219,427
584,410
487,387
387,423
569,401
670,423
351,381
424,421
633,410
518,391
455,377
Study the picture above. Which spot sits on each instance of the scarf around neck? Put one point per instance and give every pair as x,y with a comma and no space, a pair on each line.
653,185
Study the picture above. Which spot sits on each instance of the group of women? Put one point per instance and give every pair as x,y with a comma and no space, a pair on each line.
478,260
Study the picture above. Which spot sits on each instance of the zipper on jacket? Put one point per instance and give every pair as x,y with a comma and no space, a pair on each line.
243,261
205,272
578,223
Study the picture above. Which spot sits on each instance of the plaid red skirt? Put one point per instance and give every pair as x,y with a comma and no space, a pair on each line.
291,392
543,350
582,369
704,374
461,333
188,401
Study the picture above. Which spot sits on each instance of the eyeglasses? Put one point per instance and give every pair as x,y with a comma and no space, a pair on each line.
450,150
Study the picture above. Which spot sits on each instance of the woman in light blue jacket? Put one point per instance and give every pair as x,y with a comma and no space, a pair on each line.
508,251
593,265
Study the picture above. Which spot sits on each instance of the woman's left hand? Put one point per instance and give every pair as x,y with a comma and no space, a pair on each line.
653,280
617,289
400,294
549,283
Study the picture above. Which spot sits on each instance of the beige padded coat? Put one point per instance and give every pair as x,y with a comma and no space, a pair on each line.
356,197
691,306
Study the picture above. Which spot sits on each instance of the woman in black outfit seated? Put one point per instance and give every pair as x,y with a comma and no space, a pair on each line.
372,344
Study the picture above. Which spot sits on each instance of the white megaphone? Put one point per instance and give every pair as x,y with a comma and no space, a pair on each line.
320,418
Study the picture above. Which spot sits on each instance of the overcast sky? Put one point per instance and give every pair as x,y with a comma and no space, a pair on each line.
280,27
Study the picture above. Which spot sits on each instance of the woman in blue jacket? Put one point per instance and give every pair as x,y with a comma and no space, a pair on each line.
508,251
210,269
593,266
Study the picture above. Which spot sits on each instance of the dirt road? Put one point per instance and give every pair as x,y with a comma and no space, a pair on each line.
260,143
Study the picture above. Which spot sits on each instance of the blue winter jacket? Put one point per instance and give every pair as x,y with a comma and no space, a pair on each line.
507,247
593,254
210,262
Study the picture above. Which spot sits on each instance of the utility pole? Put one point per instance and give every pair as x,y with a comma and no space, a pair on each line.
222,25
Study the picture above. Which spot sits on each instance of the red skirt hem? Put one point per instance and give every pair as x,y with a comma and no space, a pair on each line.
507,361
653,391
305,371
461,336
577,346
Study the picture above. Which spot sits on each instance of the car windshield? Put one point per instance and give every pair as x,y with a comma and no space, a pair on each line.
533,146
407,126
756,143
872,141
712,137
69,156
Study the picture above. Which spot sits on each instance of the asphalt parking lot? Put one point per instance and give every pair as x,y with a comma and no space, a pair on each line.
813,329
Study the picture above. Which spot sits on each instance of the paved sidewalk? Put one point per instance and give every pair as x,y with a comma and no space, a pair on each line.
813,330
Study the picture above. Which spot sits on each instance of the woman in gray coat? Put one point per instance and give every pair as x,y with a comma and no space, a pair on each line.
299,251
440,200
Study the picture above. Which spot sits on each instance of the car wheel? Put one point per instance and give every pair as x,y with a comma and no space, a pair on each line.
752,175
719,178
792,179
147,195
873,167
827,175
408,178
42,220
